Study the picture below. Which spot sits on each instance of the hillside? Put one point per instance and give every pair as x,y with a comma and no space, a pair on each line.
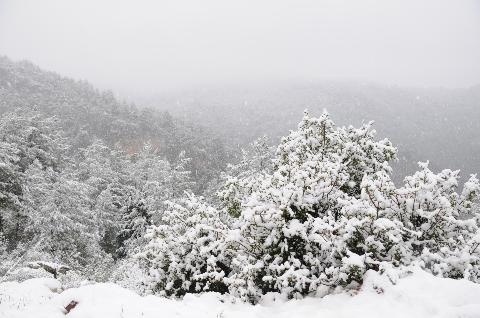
86,114
440,125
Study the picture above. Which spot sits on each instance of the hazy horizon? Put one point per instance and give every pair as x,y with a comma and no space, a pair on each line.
144,48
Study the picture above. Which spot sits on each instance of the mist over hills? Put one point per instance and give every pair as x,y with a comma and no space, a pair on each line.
86,113
436,124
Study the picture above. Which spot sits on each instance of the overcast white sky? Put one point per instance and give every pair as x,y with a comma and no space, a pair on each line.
155,46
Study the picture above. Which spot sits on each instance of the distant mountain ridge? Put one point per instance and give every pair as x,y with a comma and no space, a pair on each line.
440,125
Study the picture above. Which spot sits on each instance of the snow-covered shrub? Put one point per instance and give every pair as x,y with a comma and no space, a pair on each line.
369,227
318,219
129,274
424,221
435,216
243,178
186,254
289,225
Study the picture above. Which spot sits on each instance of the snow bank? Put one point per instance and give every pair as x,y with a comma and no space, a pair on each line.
31,298
417,295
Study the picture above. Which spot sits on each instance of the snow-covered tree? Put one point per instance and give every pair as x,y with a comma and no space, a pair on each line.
104,170
152,182
25,137
11,180
61,217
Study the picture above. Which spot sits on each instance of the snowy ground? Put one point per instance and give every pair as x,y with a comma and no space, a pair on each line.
417,295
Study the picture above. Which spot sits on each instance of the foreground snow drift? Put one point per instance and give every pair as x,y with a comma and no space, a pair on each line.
417,295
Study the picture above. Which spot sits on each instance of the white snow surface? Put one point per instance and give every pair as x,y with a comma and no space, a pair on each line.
417,295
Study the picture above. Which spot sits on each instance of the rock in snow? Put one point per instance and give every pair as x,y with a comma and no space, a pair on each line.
417,295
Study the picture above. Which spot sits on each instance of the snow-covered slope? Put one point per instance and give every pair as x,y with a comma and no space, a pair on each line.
417,295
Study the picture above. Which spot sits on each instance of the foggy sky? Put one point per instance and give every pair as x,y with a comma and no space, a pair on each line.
145,47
